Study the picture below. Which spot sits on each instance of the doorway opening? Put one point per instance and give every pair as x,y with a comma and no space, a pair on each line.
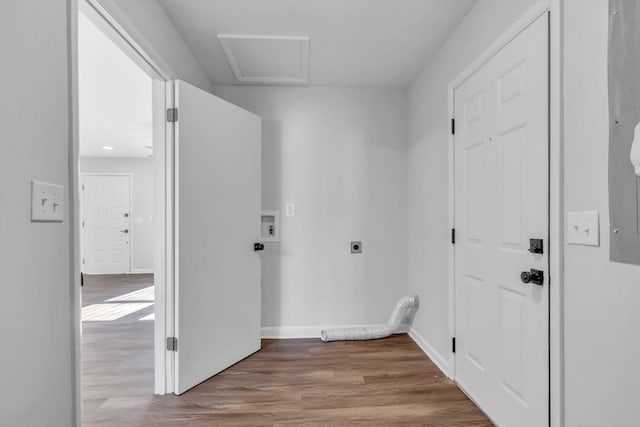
123,211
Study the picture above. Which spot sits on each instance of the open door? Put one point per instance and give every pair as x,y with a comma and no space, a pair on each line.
217,221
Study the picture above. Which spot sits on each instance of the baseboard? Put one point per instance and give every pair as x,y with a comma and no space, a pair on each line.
142,271
435,356
291,332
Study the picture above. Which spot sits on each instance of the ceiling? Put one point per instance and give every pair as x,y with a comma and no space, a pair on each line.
115,104
379,43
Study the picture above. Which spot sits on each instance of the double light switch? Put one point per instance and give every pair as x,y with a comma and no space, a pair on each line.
46,202
583,228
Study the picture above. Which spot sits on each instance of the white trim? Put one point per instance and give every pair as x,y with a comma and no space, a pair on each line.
174,89
556,217
525,21
74,214
261,37
225,39
293,332
130,176
162,251
451,357
129,40
170,253
556,184
438,359
142,271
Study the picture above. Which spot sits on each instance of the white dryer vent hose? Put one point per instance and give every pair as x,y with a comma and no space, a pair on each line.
373,332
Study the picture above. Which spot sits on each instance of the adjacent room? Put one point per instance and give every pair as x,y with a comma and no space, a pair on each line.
321,212
116,213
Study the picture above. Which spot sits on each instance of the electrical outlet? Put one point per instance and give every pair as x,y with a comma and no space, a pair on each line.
290,209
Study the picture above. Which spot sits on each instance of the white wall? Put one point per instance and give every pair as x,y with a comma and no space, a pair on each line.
36,316
429,125
340,155
602,298
147,22
142,227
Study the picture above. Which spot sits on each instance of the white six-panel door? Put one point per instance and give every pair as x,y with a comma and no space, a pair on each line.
106,224
218,205
501,202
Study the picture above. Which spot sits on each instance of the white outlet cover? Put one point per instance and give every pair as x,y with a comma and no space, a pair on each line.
583,228
47,202
290,209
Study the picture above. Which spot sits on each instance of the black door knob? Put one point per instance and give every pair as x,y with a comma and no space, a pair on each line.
258,247
534,276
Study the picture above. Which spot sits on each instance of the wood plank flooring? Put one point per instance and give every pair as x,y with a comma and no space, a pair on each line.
117,355
303,382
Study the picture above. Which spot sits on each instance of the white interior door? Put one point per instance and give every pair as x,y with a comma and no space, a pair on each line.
501,202
218,204
106,209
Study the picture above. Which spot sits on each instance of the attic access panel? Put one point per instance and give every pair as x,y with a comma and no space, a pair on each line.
624,115
267,59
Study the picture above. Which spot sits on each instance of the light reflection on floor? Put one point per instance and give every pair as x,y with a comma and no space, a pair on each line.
145,294
151,316
120,306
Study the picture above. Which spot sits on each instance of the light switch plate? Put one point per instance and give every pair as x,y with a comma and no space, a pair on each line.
290,209
583,228
46,202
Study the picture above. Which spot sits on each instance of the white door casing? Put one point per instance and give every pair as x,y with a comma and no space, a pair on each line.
501,201
106,223
217,220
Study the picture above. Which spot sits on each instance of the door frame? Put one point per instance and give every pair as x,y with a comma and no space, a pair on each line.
81,216
556,188
123,33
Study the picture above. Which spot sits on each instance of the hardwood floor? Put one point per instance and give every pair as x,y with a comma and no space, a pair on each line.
117,355
288,383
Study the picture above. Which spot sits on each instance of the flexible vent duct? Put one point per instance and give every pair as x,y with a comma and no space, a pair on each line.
374,332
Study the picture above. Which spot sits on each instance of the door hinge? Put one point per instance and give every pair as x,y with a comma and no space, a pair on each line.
172,344
82,224
453,236
172,115
453,126
453,344
82,187
82,260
